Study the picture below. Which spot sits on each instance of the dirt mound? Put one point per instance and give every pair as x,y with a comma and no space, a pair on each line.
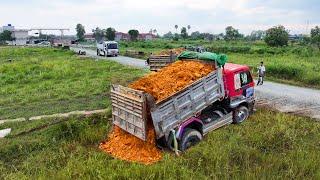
160,85
172,78
167,52
127,147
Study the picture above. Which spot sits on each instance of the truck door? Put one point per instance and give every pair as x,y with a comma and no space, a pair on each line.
243,83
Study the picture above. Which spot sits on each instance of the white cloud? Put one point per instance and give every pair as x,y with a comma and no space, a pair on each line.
202,15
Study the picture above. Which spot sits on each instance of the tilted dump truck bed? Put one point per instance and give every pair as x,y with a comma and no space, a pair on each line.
186,103
130,108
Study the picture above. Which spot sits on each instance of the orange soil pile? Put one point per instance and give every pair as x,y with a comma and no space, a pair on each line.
160,85
175,51
172,78
127,147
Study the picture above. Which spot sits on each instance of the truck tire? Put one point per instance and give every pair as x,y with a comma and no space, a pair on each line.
98,52
240,114
190,138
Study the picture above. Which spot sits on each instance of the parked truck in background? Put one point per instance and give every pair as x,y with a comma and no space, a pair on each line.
224,96
157,62
107,48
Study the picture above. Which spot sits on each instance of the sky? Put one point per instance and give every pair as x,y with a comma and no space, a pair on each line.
212,16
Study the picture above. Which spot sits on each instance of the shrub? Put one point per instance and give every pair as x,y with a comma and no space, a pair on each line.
277,36
285,72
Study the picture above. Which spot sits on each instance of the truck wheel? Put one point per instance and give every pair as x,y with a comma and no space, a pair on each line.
98,52
240,114
190,138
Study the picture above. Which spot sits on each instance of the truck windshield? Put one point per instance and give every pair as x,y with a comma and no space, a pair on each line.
113,46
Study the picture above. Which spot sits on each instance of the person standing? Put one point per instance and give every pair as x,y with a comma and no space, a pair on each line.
261,73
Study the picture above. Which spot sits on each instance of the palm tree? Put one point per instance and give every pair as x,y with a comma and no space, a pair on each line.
189,27
176,26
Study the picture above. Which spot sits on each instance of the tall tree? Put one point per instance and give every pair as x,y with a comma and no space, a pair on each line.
133,33
176,26
98,34
154,31
195,35
277,36
207,36
315,36
257,35
232,33
80,32
184,33
6,36
168,35
110,33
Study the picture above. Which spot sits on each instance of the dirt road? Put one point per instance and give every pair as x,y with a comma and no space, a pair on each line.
285,98
289,99
120,59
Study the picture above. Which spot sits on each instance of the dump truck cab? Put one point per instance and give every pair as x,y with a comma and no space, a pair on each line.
107,48
239,86
235,107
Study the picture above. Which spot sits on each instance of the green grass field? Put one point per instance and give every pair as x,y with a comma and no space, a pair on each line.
37,81
295,64
268,145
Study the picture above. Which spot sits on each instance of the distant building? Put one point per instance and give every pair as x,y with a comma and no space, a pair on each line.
121,36
9,27
89,37
125,36
20,36
295,37
146,36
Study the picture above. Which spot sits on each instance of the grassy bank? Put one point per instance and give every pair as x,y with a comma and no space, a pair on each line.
36,81
269,145
295,64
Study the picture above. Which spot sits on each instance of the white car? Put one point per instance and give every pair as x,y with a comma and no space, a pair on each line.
44,43
107,48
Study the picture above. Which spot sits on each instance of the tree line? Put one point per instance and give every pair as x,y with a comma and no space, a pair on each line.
275,36
106,34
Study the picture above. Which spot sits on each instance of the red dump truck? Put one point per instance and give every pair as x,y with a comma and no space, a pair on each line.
224,96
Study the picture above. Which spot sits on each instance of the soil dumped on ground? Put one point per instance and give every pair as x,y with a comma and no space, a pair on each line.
172,78
127,147
167,52
160,85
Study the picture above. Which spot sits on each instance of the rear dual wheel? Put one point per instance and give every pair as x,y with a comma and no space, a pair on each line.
190,138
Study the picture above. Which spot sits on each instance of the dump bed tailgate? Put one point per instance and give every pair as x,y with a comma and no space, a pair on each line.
129,110
157,62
